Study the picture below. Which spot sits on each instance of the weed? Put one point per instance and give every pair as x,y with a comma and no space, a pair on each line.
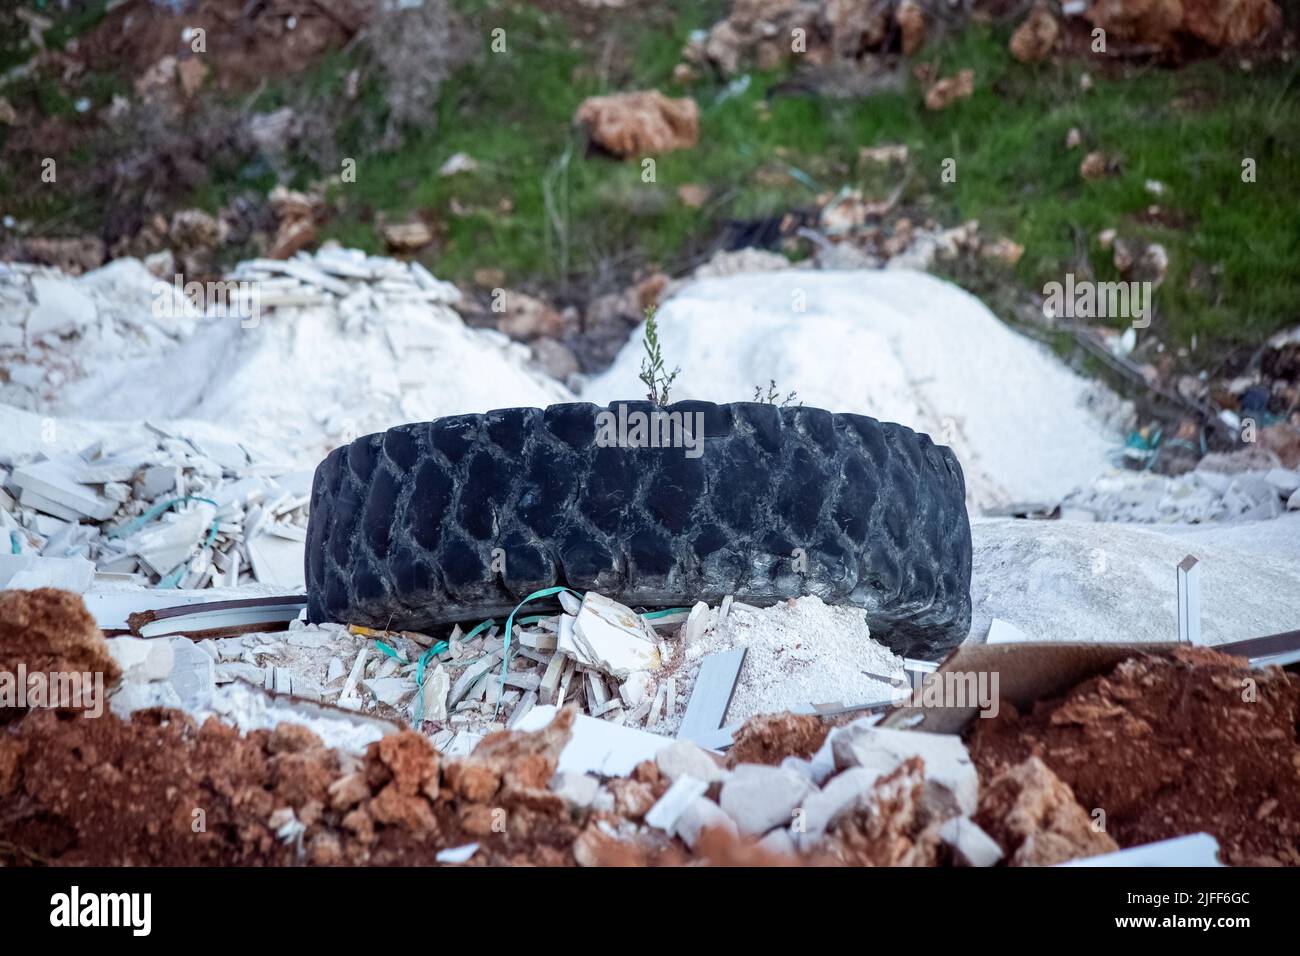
652,366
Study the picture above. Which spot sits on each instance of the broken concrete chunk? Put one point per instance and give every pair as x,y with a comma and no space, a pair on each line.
61,308
165,546
841,795
697,622
612,638
437,685
279,561
970,845
131,696
951,783
142,661
193,673
759,797
54,481
28,571
683,758
670,807
579,789
780,842
702,814
388,690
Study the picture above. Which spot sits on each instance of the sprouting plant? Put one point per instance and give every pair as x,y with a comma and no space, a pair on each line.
773,393
652,366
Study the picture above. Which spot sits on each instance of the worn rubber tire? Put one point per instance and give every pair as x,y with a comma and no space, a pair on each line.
404,524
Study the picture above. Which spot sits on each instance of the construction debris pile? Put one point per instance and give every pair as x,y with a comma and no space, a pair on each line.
1203,494
289,358
568,789
597,656
173,512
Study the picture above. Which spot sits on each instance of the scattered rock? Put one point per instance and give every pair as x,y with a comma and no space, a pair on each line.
1035,38
526,317
74,256
142,661
843,793
699,817
969,845
1094,166
943,93
759,797
406,237
693,195
1035,818
911,24
951,782
1164,23
644,123
683,758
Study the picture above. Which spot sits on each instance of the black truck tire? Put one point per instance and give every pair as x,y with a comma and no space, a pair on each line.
460,518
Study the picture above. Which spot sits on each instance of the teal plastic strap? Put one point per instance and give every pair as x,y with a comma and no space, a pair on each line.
174,579
441,646
510,624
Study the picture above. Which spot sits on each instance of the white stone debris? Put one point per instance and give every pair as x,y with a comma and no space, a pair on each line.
611,638
1200,496
970,845
760,798
951,781
156,512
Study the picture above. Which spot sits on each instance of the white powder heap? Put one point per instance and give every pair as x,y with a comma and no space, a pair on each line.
800,653
898,345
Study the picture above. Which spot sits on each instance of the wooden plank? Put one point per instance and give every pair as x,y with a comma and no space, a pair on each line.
711,695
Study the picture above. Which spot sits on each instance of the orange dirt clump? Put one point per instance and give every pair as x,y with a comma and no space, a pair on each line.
770,738
1034,817
50,630
891,829
643,123
1166,746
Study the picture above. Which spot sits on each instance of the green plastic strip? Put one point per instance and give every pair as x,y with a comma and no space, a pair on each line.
655,615
510,623
441,646
429,655
174,579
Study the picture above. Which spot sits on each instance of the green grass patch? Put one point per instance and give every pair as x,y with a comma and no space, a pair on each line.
1233,246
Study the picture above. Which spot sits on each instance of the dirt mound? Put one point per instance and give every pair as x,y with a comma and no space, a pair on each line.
50,630
169,792
242,42
1170,746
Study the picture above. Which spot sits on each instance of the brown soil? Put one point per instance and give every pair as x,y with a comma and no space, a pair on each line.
770,738
50,630
1167,746
242,48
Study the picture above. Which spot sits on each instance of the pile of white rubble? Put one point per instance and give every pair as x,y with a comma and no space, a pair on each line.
1200,495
